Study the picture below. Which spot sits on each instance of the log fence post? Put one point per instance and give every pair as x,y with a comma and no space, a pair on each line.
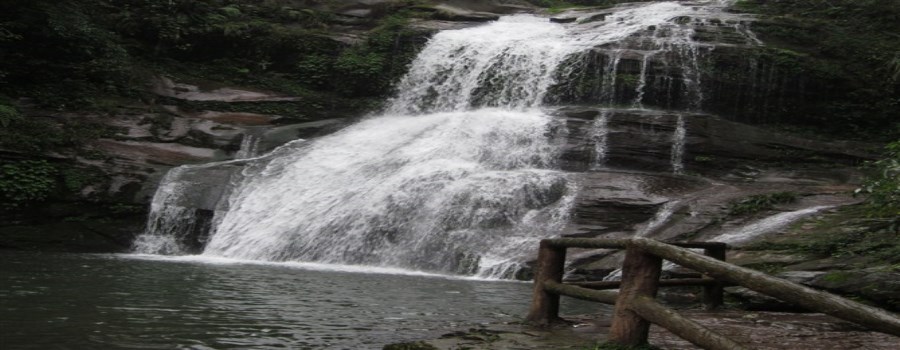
640,278
714,295
550,267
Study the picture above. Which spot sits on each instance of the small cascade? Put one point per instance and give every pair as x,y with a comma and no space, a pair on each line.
600,138
174,226
737,237
678,140
659,65
249,145
509,63
190,200
767,225
661,217
608,86
638,101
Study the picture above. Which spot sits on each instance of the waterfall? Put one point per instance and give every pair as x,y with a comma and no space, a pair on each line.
600,138
767,225
452,192
678,140
249,146
458,175
642,82
184,209
509,63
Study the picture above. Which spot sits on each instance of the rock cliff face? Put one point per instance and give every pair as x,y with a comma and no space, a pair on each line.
647,183
186,118
183,123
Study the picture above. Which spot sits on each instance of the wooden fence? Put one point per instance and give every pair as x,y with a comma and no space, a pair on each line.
635,304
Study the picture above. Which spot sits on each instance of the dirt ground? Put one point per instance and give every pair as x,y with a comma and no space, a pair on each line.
756,330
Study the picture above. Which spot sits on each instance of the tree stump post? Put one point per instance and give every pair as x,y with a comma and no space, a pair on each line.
640,278
714,295
550,267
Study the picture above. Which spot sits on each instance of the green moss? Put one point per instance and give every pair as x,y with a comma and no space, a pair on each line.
840,43
882,184
836,276
8,114
847,233
758,203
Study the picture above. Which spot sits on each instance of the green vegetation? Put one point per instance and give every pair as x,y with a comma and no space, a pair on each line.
874,242
758,203
8,114
883,184
67,55
68,67
844,234
846,53
26,182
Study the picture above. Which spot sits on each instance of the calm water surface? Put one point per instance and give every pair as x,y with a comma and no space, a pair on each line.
78,301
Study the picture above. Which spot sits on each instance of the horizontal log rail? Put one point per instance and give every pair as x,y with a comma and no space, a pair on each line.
692,331
636,309
675,282
605,296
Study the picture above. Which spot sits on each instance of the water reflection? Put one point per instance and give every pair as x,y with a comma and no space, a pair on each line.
67,301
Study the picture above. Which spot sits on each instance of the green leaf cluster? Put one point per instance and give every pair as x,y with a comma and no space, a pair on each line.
71,55
883,183
26,182
7,115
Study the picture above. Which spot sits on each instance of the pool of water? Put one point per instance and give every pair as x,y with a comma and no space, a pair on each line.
80,301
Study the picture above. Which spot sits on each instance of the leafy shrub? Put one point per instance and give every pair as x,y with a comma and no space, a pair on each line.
25,183
883,183
7,115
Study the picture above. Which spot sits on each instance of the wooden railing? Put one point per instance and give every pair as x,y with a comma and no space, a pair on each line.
635,304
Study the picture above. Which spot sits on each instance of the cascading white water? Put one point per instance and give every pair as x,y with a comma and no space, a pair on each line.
600,138
766,225
678,140
509,63
642,81
249,146
458,174
453,192
168,220
184,208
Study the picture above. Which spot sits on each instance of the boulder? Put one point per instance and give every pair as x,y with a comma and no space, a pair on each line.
456,14
563,19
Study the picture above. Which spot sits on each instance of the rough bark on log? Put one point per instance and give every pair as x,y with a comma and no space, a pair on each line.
679,282
545,305
808,298
688,330
640,278
606,297
714,294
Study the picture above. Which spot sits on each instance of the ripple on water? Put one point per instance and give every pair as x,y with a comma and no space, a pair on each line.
152,303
